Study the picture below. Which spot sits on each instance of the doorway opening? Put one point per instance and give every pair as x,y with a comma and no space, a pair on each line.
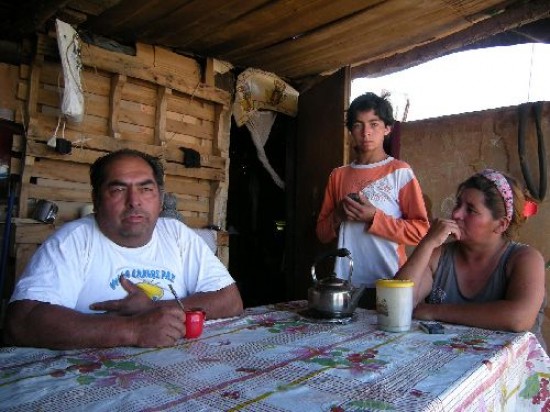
256,216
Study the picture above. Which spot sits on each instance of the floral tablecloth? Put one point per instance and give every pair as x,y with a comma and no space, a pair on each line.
274,359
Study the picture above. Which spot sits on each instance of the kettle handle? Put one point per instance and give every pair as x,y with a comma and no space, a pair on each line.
342,252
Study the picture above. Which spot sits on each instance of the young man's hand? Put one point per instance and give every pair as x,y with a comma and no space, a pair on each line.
358,211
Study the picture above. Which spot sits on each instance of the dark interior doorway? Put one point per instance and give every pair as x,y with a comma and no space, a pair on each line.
256,217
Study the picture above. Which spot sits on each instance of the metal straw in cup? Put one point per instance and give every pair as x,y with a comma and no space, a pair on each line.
177,297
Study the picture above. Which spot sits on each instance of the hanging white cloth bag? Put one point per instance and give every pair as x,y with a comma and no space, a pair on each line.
72,105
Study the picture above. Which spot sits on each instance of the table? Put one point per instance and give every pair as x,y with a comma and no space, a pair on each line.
273,359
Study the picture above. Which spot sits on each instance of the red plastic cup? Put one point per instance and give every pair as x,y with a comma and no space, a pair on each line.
194,322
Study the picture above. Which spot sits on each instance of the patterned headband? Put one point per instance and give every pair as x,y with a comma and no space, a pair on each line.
503,188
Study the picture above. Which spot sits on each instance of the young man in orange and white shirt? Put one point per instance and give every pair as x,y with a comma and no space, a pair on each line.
388,211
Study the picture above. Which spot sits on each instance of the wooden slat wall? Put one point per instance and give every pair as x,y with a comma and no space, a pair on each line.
154,102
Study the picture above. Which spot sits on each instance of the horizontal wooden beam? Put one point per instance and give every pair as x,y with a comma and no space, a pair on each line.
82,155
38,131
132,66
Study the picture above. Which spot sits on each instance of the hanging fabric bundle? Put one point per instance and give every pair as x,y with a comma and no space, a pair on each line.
259,124
259,96
72,105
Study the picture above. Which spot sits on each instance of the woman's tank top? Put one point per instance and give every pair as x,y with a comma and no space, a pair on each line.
445,285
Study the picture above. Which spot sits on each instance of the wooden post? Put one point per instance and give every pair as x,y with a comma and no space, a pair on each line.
160,115
34,86
209,72
220,146
24,187
117,83
32,110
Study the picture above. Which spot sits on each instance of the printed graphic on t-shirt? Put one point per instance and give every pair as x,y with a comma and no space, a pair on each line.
378,191
146,279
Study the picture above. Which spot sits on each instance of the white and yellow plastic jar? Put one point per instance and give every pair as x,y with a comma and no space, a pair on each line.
394,304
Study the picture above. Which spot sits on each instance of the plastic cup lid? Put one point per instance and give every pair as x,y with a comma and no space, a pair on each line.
394,283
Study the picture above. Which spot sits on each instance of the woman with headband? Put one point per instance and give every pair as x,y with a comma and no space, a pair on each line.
468,270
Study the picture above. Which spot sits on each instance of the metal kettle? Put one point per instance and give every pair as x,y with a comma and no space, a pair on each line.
332,296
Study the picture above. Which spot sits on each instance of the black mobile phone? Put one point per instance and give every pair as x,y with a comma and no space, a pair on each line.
432,327
355,197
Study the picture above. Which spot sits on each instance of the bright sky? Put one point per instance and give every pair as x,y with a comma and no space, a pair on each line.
467,82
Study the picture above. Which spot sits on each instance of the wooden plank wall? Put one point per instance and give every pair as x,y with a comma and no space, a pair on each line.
156,102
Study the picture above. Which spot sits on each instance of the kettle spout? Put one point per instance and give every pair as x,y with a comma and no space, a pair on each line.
356,295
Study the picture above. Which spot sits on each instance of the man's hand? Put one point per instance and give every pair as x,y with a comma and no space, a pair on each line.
136,302
39,324
159,327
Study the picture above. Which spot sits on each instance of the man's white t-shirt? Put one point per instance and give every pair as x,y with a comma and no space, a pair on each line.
78,265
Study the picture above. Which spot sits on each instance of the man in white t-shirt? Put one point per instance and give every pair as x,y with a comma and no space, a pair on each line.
104,280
